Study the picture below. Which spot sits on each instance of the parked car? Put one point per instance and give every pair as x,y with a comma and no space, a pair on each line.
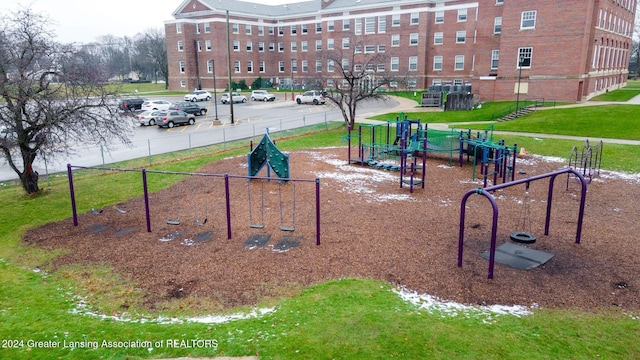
131,104
172,118
155,105
236,98
188,107
314,97
150,117
198,95
262,95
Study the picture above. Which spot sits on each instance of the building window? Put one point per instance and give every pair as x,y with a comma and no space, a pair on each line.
304,46
438,38
380,67
382,24
345,65
395,40
462,15
499,2
358,26
357,49
382,48
461,37
304,29
345,43
280,47
236,66
178,28
369,49
413,63
413,39
497,25
249,46
235,28
318,45
357,68
261,46
439,17
412,83
524,57
294,30
281,66
183,84
329,44
318,66
457,82
236,45
250,66
318,28
272,46
207,45
207,28
330,65
330,25
294,46
247,29
346,25
459,62
528,20
305,66
261,66
436,82
271,30
495,55
395,64
370,25
180,46
199,46
294,65
437,63
280,31
415,18
395,20
197,28
181,67
209,66
260,30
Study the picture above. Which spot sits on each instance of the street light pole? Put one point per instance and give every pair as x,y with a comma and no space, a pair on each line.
215,91
520,58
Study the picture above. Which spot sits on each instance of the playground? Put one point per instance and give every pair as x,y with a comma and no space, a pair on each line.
369,227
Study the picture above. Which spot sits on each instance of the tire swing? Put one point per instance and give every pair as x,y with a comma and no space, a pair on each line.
523,236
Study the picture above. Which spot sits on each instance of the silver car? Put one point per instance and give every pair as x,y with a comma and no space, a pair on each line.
314,97
172,118
149,117
198,95
236,98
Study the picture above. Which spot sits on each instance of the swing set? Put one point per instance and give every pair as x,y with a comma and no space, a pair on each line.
201,221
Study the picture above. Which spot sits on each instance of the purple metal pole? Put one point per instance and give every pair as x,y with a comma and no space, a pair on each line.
513,168
73,195
228,204
317,211
424,157
146,199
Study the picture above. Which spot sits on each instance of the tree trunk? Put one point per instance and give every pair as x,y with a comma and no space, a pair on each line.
29,179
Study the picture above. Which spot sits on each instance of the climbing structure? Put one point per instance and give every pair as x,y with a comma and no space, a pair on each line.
266,152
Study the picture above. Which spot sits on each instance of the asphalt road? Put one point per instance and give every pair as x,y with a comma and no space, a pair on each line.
250,119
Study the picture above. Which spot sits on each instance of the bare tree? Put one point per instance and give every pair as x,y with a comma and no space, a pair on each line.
360,75
54,97
152,51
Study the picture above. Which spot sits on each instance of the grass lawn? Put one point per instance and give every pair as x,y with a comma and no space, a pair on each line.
339,319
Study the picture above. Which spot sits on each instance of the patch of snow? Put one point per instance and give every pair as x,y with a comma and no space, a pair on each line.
82,308
435,305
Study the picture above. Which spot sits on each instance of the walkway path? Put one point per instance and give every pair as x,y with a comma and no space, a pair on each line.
408,105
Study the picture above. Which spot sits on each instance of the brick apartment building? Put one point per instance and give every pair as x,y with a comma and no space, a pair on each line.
567,50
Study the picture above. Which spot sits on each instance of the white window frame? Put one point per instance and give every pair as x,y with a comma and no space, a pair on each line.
247,29
236,45
207,28
527,55
395,40
236,66
318,45
261,66
495,59
180,46
437,63
461,36
438,38
235,28
318,66
395,20
382,48
330,44
370,25
415,18
497,25
210,66
413,39
331,25
281,66
207,45
439,17
528,20
179,28
181,67
346,24
462,15
304,45
294,46
249,66
413,63
249,46
345,43
382,24
395,64
458,64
